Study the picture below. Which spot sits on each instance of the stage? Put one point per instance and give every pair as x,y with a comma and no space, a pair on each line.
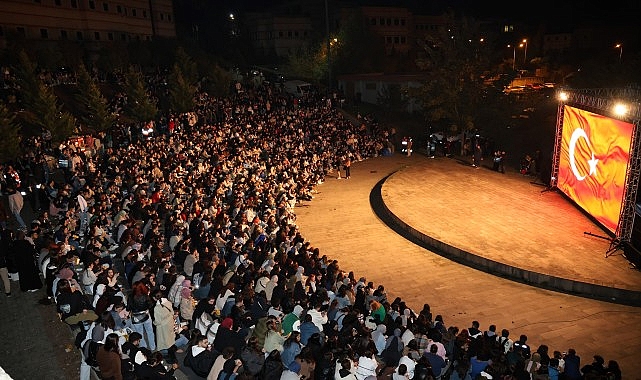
507,225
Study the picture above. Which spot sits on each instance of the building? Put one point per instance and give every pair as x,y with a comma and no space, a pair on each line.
86,20
372,88
278,35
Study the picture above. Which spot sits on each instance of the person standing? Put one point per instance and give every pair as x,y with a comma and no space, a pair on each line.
4,252
16,202
409,147
478,155
347,166
25,259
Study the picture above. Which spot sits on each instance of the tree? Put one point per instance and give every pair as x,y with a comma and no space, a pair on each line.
217,81
141,107
9,135
41,104
187,66
94,110
181,91
453,62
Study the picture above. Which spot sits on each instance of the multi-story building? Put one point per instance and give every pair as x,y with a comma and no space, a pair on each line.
278,35
87,20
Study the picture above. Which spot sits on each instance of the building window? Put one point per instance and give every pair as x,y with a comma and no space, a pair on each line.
63,35
372,21
92,4
396,21
168,17
126,14
147,38
133,12
144,13
1,31
381,22
296,33
397,40
96,36
110,36
79,36
58,2
44,33
280,34
289,33
371,86
118,8
21,31
162,16
74,3
105,7
403,21
388,22
388,39
123,37
403,40
37,1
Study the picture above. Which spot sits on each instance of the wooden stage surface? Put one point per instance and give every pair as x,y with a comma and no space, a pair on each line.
506,218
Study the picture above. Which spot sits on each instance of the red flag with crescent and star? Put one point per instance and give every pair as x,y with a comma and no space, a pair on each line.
595,152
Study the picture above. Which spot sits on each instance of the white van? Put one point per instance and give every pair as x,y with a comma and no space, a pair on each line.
298,88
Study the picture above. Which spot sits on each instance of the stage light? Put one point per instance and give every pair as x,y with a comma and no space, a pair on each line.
563,96
620,109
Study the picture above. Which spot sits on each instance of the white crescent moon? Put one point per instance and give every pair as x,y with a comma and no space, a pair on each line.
578,133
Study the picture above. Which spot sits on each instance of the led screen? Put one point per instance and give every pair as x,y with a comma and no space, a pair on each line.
595,151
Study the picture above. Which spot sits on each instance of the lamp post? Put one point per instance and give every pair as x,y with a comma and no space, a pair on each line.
513,56
525,53
620,47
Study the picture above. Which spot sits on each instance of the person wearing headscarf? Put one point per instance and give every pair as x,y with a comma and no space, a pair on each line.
174,291
393,349
228,336
379,338
186,302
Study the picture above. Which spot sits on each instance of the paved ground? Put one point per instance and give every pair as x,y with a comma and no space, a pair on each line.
341,223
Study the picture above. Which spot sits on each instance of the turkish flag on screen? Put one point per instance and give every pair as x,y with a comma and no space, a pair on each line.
595,152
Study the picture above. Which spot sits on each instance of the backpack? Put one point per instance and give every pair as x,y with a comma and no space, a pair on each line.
91,352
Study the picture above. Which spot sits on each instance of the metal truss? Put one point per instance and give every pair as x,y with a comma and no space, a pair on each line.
602,101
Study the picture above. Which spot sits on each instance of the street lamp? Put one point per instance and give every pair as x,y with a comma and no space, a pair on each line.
620,47
525,53
513,56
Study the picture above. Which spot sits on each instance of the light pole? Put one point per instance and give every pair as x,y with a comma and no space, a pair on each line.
513,56
525,53
620,47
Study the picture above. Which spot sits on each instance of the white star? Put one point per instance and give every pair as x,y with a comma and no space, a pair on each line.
592,164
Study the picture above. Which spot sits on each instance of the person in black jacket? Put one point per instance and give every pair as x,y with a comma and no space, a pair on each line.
153,369
200,357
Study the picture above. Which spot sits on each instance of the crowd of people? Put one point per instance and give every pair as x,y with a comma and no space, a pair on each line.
181,248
